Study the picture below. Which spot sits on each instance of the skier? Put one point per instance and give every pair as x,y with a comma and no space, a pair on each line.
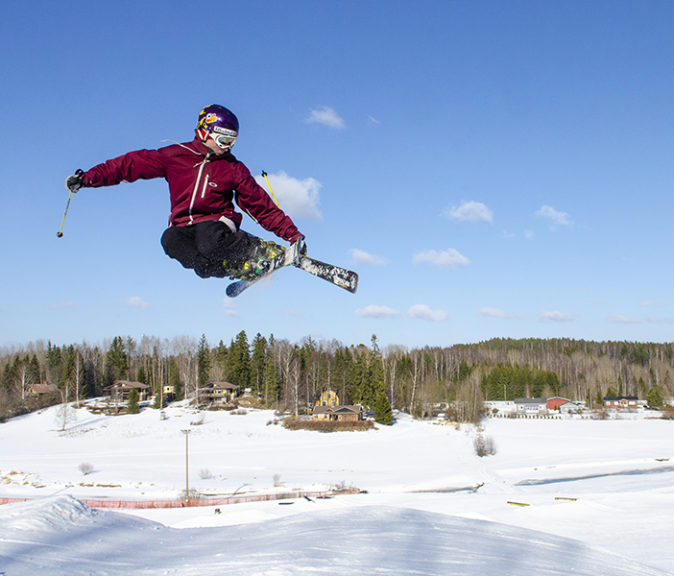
204,178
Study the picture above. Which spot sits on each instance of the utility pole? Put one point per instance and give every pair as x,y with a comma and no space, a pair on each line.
187,463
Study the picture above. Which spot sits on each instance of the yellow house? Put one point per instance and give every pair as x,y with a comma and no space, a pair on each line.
328,398
328,408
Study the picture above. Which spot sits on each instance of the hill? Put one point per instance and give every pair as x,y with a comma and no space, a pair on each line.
594,493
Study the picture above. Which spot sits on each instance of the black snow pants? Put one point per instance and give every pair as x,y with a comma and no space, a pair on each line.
211,249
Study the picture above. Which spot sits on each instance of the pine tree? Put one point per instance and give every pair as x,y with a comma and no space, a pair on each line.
655,399
271,384
383,414
258,364
204,361
238,361
116,364
132,406
53,363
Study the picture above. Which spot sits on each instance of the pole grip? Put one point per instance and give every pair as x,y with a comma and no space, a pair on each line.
264,175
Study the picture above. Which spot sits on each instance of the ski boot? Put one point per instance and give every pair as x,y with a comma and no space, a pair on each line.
266,257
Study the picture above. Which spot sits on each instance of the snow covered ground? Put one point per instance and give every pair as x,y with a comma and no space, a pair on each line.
599,495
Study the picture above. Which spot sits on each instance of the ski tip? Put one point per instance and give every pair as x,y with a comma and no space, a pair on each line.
350,286
234,289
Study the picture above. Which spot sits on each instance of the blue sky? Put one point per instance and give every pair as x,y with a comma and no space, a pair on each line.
491,169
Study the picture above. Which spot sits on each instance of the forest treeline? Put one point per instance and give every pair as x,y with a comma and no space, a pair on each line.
291,376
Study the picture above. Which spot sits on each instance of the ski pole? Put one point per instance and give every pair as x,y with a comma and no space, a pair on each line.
59,234
270,189
73,184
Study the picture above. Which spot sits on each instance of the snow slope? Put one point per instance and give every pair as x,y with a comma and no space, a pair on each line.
599,497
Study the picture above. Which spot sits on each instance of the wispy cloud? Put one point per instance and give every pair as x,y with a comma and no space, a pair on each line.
373,120
61,306
620,319
423,312
496,313
362,257
298,198
470,212
376,311
660,319
555,316
652,303
229,308
555,217
447,259
136,302
326,116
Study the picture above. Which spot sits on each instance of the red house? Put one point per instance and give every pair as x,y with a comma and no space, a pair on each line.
621,402
556,402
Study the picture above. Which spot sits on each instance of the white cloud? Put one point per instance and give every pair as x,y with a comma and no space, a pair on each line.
652,303
375,311
620,319
555,216
362,257
229,308
137,302
496,313
373,120
470,212
325,116
660,319
297,198
447,259
423,312
556,316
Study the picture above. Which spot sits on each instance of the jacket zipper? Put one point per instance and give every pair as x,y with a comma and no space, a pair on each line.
196,188
205,186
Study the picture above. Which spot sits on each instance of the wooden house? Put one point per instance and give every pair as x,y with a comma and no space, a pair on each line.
328,398
328,408
530,406
218,393
120,389
42,389
622,402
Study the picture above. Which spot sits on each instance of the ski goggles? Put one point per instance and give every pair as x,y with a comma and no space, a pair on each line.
223,137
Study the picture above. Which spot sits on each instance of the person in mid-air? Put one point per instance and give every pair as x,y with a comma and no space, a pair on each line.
204,180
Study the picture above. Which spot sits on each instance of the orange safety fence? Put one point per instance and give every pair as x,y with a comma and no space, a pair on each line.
192,502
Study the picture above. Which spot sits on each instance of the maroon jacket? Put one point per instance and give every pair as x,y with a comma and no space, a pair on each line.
201,184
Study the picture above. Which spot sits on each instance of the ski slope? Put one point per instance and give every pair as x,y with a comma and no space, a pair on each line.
558,497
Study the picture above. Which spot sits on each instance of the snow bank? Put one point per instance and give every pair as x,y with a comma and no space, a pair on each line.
369,540
51,514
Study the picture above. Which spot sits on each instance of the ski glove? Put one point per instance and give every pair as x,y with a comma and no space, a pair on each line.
301,243
75,182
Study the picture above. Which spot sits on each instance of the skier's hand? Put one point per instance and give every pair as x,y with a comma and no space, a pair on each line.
75,182
301,244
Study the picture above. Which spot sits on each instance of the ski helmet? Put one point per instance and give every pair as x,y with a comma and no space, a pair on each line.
220,124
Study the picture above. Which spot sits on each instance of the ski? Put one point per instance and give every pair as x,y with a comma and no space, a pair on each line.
238,286
346,279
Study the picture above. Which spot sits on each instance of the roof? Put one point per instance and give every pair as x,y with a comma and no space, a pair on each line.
43,388
323,409
127,384
222,386
342,409
530,400
337,409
